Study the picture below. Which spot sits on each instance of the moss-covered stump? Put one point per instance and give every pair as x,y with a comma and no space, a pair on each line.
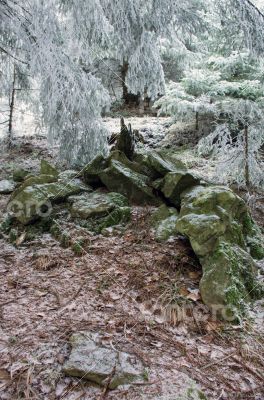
100,210
221,232
164,221
126,141
175,183
118,178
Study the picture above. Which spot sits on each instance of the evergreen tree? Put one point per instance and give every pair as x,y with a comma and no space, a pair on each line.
58,41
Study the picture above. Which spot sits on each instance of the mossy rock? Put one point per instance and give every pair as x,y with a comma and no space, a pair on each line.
164,222
119,178
92,171
95,204
253,236
35,202
175,183
221,231
68,175
33,180
214,213
157,164
138,167
20,174
229,279
100,210
47,169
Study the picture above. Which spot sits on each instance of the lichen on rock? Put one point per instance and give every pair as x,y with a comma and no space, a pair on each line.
164,221
92,361
100,210
220,230
118,178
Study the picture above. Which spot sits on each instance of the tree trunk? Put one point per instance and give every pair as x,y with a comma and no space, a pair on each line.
247,177
129,98
11,105
197,120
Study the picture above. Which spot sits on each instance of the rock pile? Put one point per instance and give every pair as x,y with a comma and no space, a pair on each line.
216,220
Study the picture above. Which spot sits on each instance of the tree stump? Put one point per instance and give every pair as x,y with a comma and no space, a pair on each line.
126,140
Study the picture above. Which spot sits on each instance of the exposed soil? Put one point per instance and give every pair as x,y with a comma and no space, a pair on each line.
134,291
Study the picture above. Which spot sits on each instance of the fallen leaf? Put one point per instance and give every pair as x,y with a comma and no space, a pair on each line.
213,326
194,274
194,295
183,291
114,296
4,375
21,239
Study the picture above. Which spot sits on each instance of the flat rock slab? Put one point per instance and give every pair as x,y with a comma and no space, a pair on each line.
7,186
92,361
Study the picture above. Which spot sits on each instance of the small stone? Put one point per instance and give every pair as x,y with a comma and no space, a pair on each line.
7,186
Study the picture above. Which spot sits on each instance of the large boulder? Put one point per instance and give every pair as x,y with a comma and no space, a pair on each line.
175,183
229,278
118,178
221,232
92,361
164,221
101,209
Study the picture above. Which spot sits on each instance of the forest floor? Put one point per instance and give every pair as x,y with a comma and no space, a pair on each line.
141,295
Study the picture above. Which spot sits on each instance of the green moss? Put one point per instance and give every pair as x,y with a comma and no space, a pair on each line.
20,174
77,246
7,224
48,169
65,240
229,279
93,169
13,235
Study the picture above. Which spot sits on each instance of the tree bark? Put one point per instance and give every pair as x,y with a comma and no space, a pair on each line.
129,98
197,120
247,177
12,104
